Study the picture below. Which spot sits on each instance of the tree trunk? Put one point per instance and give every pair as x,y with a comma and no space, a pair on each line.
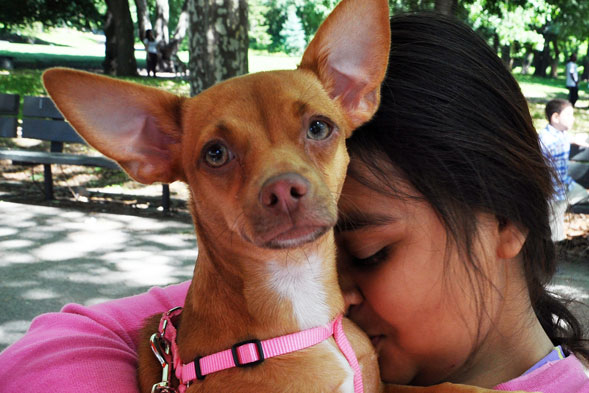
527,61
162,19
182,26
218,41
124,63
143,21
555,59
542,60
169,60
110,51
496,43
585,62
446,7
506,56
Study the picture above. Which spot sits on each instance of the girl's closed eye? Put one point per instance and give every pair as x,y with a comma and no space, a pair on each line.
372,260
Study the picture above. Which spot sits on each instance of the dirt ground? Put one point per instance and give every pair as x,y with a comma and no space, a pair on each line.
90,189
576,246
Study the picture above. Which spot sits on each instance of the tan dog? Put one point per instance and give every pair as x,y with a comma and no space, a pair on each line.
264,158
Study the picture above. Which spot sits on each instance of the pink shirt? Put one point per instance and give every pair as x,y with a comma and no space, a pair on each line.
566,375
84,349
94,349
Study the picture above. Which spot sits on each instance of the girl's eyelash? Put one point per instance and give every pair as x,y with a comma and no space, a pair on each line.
373,260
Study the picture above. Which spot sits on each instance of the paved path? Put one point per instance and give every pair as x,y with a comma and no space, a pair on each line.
51,256
572,281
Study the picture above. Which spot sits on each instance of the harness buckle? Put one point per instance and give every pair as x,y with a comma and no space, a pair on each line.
259,349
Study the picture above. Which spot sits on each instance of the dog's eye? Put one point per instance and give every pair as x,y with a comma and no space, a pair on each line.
319,130
216,155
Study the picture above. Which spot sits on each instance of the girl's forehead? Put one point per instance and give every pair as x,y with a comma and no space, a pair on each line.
381,176
367,198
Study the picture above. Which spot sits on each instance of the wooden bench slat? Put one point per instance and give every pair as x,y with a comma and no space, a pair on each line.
582,155
43,157
9,104
50,130
579,171
8,127
40,107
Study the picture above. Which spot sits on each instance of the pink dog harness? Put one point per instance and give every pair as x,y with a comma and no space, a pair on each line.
244,354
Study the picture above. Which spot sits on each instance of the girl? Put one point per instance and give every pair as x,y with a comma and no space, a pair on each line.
444,238
445,268
151,48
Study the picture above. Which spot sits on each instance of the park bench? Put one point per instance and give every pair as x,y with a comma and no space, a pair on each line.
579,170
42,121
579,164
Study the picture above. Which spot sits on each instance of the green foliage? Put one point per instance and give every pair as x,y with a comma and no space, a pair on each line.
274,30
22,82
175,11
293,33
312,13
275,17
509,22
77,13
570,18
516,27
258,25
398,6
561,26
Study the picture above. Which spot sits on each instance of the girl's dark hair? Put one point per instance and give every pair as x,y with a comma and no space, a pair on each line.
454,122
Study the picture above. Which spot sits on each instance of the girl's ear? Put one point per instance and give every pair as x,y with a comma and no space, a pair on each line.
511,240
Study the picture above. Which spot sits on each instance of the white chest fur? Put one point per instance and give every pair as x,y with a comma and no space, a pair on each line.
302,285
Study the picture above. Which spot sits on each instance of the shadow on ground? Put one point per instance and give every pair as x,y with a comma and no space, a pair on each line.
53,256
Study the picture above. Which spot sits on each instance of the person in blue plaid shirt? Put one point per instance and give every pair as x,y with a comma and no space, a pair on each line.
556,147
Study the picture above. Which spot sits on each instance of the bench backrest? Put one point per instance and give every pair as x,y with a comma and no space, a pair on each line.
42,120
9,104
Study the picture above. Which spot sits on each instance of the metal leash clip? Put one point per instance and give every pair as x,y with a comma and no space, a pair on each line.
161,350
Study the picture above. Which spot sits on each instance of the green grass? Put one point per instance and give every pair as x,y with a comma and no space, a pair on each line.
262,61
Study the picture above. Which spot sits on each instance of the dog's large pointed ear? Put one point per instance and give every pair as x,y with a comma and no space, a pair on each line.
135,125
350,54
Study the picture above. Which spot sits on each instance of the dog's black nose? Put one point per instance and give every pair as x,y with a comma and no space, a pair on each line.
283,193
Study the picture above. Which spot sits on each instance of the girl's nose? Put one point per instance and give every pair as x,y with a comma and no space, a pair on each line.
351,292
352,297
